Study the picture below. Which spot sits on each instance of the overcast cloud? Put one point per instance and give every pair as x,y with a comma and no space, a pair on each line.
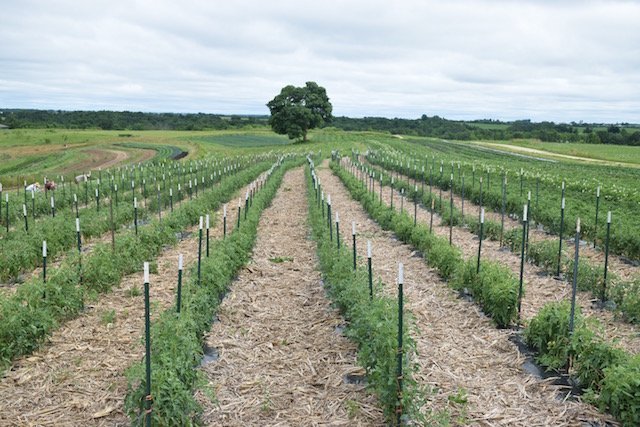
544,60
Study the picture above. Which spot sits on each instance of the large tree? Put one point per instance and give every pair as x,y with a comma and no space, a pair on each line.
297,109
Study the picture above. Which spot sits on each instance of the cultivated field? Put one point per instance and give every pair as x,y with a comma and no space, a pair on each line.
356,279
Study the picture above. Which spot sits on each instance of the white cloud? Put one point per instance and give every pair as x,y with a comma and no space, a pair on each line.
562,60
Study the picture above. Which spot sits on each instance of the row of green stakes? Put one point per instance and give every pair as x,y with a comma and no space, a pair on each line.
525,238
504,193
204,223
321,201
75,206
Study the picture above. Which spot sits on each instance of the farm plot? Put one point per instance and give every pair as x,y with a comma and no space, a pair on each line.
594,362
83,366
473,372
281,357
541,288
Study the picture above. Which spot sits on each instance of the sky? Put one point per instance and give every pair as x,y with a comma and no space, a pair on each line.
564,60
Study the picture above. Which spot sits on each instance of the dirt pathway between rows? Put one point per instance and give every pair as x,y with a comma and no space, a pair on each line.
281,359
460,352
77,378
617,264
540,288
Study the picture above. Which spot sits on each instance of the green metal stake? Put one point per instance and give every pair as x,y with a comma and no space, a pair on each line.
6,198
246,205
560,240
504,205
370,270
329,217
338,229
179,300
480,239
97,200
402,200
574,286
595,229
239,212
440,182
322,196
526,250
433,202
171,199
400,341
116,193
462,195
451,211
207,225
26,221
480,206
353,234
520,288
224,222
391,193
147,338
135,214
44,261
381,189
606,257
415,206
199,250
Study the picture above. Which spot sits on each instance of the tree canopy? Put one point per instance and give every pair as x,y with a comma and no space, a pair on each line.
297,109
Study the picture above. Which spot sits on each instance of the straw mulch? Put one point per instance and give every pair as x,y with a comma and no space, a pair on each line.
77,378
281,359
460,352
540,288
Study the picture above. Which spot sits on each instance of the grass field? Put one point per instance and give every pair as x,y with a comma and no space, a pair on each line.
618,154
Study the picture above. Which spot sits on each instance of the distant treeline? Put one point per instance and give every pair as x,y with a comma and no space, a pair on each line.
622,134
439,127
124,120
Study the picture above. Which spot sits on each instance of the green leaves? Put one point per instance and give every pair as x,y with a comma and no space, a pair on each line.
297,109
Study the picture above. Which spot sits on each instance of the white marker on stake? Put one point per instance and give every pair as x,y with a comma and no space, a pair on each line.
201,222
52,202
180,262
482,216
597,191
24,209
353,228
224,210
329,199
207,221
609,217
578,225
33,194
400,273
146,272
369,249
135,203
563,185
524,217
337,217
529,196
44,248
563,203
77,225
